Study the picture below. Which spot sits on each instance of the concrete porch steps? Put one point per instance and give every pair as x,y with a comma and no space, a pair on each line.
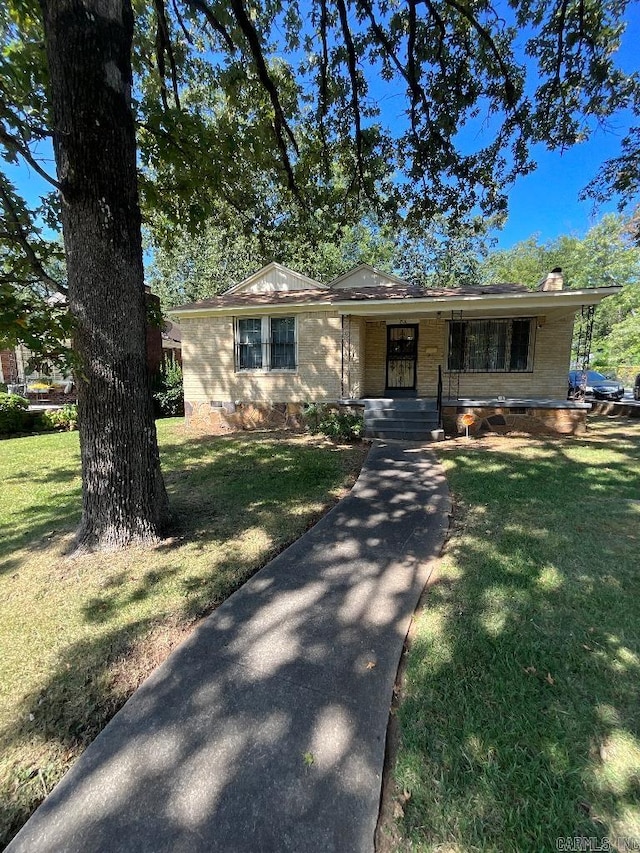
402,419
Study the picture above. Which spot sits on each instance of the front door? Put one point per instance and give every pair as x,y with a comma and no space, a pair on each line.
402,355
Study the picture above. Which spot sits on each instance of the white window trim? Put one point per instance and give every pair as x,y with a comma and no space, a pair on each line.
265,338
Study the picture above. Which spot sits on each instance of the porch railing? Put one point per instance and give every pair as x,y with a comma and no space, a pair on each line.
439,397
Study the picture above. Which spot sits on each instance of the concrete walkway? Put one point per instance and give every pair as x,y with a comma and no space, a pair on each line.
265,731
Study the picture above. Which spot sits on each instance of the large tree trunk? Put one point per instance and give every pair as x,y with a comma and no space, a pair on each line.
88,46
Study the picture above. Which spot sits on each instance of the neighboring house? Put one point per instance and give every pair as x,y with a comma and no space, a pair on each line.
171,342
14,367
278,340
163,342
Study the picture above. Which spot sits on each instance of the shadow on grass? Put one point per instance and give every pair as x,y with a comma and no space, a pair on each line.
520,722
55,724
220,490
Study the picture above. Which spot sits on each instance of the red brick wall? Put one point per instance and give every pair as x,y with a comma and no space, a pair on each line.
9,366
154,335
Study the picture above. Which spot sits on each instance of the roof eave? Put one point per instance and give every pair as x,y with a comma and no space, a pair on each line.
534,299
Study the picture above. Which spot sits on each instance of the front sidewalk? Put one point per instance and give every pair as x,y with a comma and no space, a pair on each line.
265,731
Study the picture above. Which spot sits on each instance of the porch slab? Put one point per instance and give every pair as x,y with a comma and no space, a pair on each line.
515,402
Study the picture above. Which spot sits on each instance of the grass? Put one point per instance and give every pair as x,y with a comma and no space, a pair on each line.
520,711
79,635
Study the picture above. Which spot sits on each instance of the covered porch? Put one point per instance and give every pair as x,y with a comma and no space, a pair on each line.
425,371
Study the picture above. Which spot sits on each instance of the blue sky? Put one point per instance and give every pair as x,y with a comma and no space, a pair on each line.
546,202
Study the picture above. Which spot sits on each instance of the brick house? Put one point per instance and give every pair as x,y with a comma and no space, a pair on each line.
162,342
255,355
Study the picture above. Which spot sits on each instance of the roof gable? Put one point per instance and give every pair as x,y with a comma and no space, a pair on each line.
275,278
364,275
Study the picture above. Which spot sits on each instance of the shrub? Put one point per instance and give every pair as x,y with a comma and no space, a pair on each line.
14,416
65,419
346,426
169,397
313,413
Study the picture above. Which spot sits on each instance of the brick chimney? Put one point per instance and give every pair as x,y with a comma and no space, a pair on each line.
553,280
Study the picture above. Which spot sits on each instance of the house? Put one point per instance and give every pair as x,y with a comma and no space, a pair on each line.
162,342
171,342
256,354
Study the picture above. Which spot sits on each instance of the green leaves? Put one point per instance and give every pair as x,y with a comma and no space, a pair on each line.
605,256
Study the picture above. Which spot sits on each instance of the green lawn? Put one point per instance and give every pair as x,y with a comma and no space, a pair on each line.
78,635
520,716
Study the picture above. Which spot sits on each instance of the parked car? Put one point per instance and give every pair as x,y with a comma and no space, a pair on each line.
636,388
595,385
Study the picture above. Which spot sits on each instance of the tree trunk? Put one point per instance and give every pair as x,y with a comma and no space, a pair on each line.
88,45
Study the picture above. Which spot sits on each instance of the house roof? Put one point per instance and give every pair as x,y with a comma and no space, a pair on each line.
396,299
366,271
171,332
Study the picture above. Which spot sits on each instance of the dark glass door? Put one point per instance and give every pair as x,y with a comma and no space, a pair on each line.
402,356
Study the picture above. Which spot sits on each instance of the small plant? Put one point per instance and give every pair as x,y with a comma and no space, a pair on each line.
346,426
169,397
64,419
14,416
313,413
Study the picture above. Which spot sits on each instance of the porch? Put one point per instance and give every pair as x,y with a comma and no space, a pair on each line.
428,419
512,355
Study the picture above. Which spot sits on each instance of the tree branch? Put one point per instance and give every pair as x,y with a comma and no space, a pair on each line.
163,45
509,88
213,21
280,125
181,22
18,234
355,87
24,152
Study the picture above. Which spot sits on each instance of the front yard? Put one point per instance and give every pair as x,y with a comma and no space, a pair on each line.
520,713
79,635
520,719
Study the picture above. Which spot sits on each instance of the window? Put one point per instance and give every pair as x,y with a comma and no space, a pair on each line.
249,344
283,343
266,343
490,346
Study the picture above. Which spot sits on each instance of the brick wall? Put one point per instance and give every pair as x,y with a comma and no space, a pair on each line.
209,374
548,379
552,355
8,366
208,363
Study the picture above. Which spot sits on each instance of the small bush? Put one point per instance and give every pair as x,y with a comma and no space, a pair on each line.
64,419
169,398
313,413
342,425
14,416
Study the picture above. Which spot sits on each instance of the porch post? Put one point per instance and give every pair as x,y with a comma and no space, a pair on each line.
342,356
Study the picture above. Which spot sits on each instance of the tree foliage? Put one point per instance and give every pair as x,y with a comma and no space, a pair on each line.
605,256
268,118
192,267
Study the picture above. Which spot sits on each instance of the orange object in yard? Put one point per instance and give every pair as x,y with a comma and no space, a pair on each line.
468,419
